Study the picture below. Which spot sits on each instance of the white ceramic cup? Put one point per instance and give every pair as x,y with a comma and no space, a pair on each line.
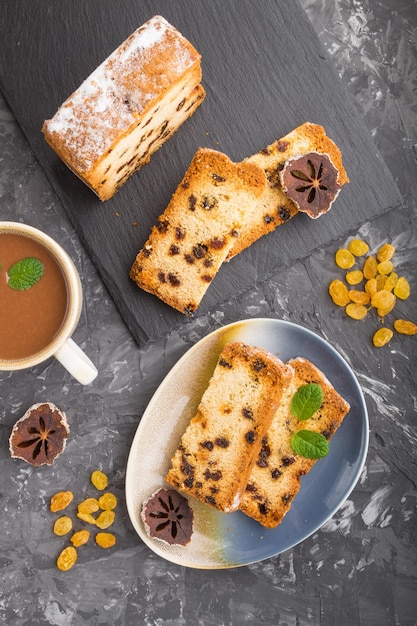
62,347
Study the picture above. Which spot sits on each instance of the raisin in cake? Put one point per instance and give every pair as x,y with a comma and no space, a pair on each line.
197,229
275,208
222,441
275,477
127,107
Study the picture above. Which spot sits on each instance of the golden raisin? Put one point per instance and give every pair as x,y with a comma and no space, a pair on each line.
344,259
339,292
107,501
371,287
80,538
356,311
391,281
383,299
105,540
354,277
382,337
62,525
67,558
99,480
86,517
369,267
358,247
402,288
385,267
405,327
105,519
359,297
382,287
380,281
89,505
385,252
61,500
383,311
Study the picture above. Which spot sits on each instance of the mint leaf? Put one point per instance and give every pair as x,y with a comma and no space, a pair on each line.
306,401
310,444
25,273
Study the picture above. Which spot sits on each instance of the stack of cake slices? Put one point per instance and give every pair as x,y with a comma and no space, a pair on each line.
220,208
237,453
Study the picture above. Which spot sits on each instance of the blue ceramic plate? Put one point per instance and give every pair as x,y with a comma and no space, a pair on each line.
229,540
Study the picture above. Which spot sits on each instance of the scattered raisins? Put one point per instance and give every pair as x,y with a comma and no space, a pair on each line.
80,538
107,502
61,500
105,540
371,287
381,279
383,311
99,480
385,267
370,267
89,505
383,299
385,252
344,258
339,292
402,288
86,517
105,519
356,311
382,337
354,277
405,327
66,559
391,281
381,287
62,525
359,297
358,247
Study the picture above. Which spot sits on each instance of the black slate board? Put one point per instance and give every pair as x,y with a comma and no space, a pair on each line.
264,72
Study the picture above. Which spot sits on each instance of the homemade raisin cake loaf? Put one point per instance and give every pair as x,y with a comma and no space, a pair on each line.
275,477
197,229
127,107
222,441
274,207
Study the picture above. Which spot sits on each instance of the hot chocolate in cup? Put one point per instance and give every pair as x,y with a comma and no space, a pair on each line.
40,303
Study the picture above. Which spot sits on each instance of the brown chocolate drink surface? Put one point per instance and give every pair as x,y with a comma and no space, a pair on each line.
29,318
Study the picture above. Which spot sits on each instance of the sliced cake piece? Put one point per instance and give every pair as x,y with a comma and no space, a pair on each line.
274,207
222,441
198,228
275,477
127,107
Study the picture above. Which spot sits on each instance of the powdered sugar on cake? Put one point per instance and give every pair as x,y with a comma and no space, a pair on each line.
112,97
145,37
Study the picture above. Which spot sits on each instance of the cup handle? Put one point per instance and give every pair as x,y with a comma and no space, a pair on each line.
76,362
